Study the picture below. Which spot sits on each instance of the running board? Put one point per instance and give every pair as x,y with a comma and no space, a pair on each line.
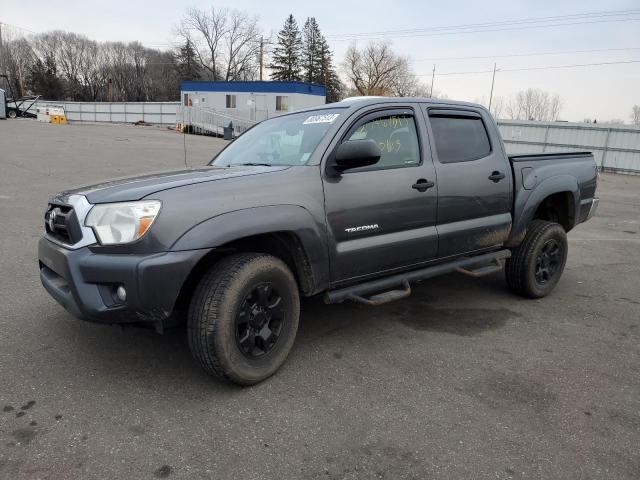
389,285
384,297
495,266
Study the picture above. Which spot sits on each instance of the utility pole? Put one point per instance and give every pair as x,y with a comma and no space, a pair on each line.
493,79
1,52
261,56
433,78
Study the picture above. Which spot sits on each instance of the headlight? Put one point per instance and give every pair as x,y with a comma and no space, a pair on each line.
124,222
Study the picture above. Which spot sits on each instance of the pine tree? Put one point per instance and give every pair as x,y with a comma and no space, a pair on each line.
311,48
327,74
44,80
317,64
186,62
286,59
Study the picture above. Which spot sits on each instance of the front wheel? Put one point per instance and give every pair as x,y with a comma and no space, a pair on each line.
243,317
536,265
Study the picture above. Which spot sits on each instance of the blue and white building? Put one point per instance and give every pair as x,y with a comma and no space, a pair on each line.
251,100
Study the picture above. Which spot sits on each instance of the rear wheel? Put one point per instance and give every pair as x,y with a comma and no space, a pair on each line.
243,317
12,114
535,267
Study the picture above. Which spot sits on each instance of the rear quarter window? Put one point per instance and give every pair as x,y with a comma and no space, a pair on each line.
459,139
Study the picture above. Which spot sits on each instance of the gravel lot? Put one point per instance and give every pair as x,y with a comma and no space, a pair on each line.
462,380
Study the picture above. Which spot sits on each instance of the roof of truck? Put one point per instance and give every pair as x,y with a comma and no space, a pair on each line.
372,100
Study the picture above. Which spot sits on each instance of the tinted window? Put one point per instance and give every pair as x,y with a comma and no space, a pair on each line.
397,138
460,139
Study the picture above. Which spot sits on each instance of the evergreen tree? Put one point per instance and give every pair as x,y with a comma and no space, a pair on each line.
317,65
43,78
311,48
328,76
286,59
187,65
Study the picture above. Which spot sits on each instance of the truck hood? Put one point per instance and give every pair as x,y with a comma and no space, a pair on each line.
138,187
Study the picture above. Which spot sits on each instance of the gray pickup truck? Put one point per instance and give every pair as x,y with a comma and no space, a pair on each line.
355,200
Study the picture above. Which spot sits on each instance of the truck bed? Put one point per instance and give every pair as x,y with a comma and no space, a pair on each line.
572,174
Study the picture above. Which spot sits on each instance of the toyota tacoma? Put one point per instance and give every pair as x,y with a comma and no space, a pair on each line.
355,200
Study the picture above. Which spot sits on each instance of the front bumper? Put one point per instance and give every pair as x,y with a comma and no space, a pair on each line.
85,282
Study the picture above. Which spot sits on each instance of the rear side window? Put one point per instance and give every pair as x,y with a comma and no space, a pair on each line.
459,139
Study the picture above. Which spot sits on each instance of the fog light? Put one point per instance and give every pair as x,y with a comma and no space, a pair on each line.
121,293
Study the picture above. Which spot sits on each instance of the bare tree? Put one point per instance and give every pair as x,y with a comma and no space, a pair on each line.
635,115
373,70
378,70
407,84
18,58
242,46
534,104
226,42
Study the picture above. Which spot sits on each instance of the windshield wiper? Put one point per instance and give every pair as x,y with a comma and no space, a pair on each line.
253,164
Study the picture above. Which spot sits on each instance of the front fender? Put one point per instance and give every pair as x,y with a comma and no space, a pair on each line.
528,201
225,228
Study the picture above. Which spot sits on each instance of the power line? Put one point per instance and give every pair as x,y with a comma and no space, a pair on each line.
597,14
437,34
511,24
547,67
17,27
533,54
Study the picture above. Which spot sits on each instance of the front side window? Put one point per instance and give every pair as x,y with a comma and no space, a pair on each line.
282,103
397,138
231,101
459,138
283,140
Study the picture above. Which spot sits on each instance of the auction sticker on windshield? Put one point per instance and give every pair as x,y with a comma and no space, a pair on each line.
327,118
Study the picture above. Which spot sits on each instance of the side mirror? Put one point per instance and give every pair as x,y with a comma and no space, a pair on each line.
354,154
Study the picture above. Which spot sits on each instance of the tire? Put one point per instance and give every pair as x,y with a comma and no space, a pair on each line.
536,265
12,113
235,315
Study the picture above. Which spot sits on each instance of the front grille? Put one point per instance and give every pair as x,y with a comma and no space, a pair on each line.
61,223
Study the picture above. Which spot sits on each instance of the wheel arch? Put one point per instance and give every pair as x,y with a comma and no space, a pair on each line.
286,232
556,199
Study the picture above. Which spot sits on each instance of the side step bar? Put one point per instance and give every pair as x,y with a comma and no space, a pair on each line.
463,265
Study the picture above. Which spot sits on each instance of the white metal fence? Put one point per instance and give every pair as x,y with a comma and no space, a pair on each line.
614,149
161,113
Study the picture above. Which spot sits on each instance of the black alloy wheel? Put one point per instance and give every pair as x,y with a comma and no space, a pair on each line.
259,321
548,261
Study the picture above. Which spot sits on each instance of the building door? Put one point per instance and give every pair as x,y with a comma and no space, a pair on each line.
261,112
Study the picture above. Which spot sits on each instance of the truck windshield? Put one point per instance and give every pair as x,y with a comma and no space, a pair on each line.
285,140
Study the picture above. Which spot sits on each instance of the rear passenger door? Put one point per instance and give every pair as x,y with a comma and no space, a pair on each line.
474,180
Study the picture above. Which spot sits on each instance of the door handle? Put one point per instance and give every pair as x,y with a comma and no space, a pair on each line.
496,176
422,185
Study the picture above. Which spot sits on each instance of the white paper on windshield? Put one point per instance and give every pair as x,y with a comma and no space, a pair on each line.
327,118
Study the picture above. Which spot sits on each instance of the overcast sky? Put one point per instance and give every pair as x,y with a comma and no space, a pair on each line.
603,92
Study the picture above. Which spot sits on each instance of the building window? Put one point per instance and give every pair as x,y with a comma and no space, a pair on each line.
231,101
282,104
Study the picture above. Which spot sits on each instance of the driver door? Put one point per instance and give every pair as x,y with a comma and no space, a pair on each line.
382,217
